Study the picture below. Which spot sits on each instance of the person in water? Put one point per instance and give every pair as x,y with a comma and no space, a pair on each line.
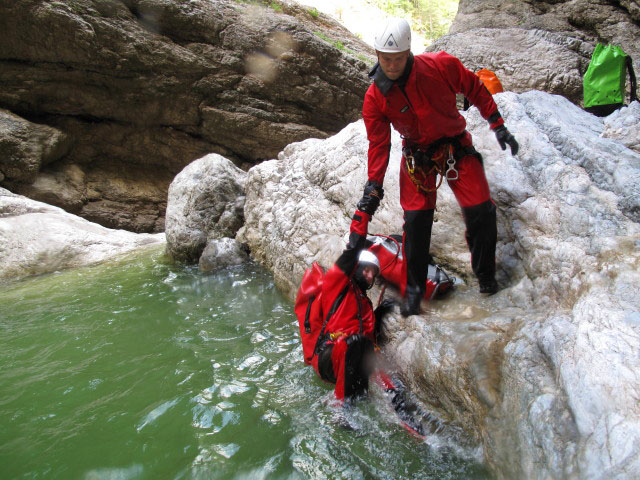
345,351
417,96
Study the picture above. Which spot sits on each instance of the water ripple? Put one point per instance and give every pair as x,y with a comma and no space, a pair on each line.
146,369
157,412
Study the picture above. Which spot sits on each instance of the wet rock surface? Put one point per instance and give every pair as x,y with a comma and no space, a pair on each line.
220,253
37,238
205,202
543,374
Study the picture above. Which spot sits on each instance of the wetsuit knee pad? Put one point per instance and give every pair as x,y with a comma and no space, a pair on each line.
418,221
481,236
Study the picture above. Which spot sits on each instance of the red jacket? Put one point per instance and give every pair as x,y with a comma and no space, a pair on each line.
346,317
426,110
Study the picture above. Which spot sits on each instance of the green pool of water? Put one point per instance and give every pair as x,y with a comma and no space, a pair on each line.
140,369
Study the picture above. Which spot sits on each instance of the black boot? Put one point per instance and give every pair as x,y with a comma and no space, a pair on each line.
489,286
415,245
481,236
411,303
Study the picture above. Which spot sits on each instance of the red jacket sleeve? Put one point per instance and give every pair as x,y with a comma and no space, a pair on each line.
467,83
339,274
379,135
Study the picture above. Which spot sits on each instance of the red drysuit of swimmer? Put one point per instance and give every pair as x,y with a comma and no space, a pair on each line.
421,106
346,349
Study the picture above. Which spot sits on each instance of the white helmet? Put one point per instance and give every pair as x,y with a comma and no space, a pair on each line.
393,35
368,258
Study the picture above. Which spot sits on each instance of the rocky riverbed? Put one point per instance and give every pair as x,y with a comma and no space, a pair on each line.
104,104
542,375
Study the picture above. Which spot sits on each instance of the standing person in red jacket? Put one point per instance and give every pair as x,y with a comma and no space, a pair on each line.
345,349
417,96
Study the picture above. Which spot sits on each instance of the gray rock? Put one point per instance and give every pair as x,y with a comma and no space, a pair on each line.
37,238
145,87
26,147
567,32
623,125
220,253
534,59
543,375
206,201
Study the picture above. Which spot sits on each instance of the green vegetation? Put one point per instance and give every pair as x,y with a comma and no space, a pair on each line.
340,46
323,37
266,3
430,18
314,12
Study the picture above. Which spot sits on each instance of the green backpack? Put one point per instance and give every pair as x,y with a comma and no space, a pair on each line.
604,81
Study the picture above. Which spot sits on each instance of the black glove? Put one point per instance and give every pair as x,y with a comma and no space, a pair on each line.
385,307
504,137
381,310
373,193
355,338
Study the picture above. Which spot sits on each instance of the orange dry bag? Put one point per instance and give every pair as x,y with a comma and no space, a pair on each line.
490,80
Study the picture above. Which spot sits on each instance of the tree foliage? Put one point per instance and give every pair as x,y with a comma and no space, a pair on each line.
431,18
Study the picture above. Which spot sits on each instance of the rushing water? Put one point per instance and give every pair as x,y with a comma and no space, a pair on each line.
142,369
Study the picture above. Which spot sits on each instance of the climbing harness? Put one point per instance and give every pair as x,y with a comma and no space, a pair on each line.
419,170
420,166
438,158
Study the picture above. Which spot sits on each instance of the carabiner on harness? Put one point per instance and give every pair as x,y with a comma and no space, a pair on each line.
451,164
418,175
411,163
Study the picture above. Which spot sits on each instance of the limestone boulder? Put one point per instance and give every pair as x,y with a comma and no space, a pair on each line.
37,238
623,125
543,375
523,59
540,45
144,87
206,201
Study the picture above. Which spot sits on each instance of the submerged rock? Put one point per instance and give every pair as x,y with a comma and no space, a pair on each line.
544,374
37,238
220,253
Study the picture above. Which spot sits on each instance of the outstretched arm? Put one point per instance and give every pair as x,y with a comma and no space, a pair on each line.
466,82
348,260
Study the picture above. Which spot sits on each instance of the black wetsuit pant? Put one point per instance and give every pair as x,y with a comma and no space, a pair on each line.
358,366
